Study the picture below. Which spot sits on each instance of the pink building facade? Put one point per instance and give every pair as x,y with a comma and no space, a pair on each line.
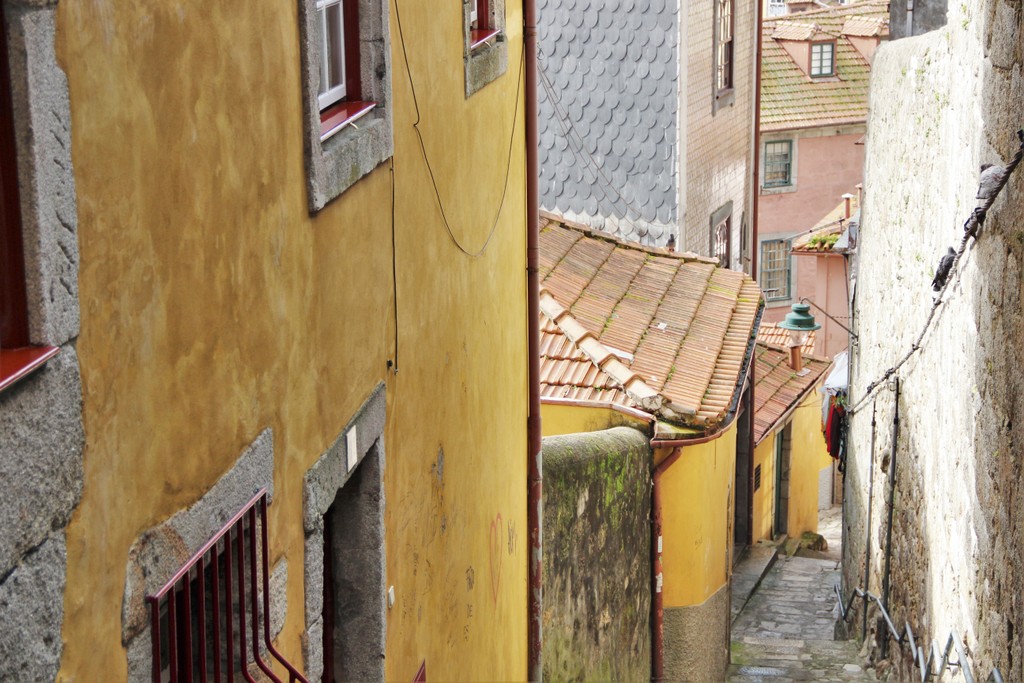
815,71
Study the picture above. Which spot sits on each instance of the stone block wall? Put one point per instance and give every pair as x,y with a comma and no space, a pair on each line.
597,556
941,104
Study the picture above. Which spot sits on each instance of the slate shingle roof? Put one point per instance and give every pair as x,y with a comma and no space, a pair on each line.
612,69
664,332
789,97
777,388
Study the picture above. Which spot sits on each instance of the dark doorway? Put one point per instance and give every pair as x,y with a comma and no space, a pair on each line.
783,441
354,577
744,476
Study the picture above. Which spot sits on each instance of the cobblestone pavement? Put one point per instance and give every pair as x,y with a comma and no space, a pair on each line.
784,633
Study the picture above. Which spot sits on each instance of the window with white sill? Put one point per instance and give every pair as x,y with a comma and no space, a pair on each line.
346,65
485,49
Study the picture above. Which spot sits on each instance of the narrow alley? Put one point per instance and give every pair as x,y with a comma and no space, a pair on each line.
784,615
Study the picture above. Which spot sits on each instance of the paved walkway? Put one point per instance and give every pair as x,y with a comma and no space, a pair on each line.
784,631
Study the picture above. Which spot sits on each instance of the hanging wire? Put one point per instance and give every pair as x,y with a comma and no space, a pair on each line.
971,227
426,158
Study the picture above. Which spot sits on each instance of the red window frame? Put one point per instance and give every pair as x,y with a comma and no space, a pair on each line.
17,357
348,109
481,31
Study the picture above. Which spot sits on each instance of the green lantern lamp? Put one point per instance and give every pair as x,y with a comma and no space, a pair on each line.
800,324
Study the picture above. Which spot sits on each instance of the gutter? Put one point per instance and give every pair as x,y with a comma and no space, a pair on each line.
534,507
657,600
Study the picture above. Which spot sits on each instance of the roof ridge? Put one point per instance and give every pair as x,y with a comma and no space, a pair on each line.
805,356
594,233
642,394
835,10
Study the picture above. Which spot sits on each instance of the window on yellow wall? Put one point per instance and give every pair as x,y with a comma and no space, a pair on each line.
485,50
346,91
339,95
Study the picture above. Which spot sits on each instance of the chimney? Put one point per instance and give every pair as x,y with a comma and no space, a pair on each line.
847,198
671,246
796,358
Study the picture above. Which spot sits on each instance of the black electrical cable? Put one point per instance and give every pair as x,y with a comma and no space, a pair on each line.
426,158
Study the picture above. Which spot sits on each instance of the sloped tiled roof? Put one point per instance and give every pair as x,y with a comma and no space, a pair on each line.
789,97
771,333
833,223
777,388
668,331
608,136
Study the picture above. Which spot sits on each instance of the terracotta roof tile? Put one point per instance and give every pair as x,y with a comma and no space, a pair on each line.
771,333
667,333
789,97
833,223
777,388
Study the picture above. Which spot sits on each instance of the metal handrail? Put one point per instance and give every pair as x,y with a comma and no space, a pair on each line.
917,653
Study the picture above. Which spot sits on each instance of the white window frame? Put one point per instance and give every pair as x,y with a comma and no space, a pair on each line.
474,12
767,164
326,98
785,265
820,73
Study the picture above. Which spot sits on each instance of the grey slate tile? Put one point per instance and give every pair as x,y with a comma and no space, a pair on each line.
612,65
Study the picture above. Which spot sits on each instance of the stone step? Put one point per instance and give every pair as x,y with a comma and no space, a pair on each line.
761,659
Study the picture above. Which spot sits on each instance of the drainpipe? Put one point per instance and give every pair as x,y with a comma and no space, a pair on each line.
867,550
535,513
892,500
756,190
657,600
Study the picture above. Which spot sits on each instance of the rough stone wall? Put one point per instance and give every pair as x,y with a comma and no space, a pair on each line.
41,432
942,104
717,148
597,556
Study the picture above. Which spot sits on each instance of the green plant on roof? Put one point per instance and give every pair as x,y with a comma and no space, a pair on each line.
822,242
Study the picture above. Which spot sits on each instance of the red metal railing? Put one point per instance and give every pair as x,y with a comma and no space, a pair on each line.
187,636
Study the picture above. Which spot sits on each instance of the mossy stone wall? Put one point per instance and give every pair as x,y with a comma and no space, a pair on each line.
597,556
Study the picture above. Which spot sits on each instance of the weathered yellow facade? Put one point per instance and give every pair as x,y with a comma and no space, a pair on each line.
697,518
563,418
214,306
808,457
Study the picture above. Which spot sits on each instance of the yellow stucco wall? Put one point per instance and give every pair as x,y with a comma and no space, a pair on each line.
808,457
213,306
697,519
569,419
764,497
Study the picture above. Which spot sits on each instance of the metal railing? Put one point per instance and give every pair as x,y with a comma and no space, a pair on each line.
935,655
191,643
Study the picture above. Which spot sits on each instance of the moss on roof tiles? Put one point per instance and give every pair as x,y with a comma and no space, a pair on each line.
790,98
